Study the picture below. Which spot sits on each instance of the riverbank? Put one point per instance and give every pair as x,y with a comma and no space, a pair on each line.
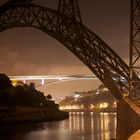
29,115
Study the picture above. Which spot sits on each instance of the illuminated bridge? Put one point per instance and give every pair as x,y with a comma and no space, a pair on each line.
55,78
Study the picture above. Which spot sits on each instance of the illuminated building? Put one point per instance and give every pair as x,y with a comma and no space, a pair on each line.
17,82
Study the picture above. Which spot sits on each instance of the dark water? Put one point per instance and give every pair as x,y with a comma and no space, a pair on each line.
80,126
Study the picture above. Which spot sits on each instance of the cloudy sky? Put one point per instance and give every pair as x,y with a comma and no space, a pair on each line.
27,51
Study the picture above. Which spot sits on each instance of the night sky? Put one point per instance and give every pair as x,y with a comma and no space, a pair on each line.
27,51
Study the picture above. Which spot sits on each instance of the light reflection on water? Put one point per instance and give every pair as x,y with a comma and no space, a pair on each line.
94,126
80,126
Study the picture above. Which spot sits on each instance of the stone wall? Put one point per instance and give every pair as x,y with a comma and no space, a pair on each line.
128,120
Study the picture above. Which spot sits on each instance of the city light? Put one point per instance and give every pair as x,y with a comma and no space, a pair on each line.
103,105
91,107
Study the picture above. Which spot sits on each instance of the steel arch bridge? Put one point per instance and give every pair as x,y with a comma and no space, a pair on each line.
65,25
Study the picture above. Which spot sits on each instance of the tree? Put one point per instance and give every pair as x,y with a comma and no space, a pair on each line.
5,82
32,86
49,96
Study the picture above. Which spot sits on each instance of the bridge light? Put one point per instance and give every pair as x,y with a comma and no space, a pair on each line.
60,78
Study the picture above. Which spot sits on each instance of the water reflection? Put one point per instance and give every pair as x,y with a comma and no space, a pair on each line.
94,126
80,126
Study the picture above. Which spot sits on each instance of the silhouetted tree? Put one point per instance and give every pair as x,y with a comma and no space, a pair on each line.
32,86
49,96
5,83
22,95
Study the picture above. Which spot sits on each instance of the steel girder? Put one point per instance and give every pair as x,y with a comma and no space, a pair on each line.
134,47
80,40
70,8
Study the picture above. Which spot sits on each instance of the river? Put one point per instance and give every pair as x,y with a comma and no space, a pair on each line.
79,126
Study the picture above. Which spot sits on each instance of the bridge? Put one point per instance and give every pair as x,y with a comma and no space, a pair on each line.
65,25
56,78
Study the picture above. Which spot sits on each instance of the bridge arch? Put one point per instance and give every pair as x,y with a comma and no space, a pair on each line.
76,37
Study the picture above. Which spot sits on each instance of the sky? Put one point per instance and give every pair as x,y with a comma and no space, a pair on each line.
28,51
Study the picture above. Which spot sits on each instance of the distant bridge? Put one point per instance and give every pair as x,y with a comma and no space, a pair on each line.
56,78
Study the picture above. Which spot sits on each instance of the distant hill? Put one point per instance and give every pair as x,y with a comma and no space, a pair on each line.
93,100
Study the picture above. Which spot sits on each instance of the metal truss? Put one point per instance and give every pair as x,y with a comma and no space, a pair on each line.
70,8
66,26
134,47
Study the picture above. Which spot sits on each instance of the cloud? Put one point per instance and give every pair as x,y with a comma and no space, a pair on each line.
33,53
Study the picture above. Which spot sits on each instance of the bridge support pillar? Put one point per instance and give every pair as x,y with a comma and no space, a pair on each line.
128,118
42,81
